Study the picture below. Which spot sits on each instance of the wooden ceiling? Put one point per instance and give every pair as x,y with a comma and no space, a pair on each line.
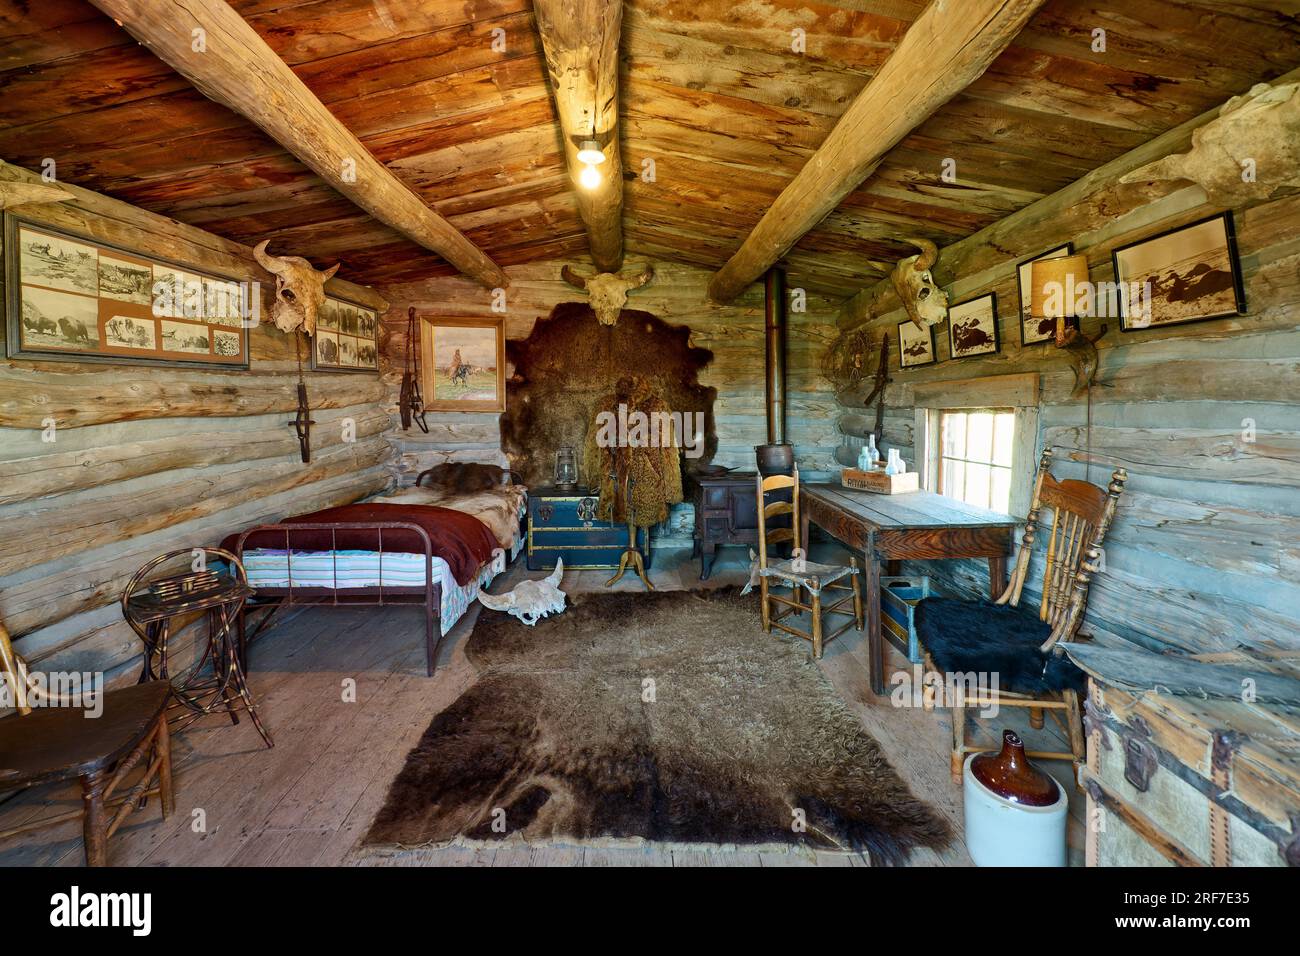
711,91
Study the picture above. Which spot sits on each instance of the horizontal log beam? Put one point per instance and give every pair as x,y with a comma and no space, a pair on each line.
235,67
29,395
949,46
580,40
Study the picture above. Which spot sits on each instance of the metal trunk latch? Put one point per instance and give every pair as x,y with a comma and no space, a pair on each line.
1140,760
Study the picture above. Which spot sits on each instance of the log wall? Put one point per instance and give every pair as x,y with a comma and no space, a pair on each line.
733,332
148,459
1205,417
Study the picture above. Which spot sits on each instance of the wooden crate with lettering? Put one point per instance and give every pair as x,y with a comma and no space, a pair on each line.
1190,782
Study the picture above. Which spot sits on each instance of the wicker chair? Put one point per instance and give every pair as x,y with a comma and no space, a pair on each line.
59,743
965,637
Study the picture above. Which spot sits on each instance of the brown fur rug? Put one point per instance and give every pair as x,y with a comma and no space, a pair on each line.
742,731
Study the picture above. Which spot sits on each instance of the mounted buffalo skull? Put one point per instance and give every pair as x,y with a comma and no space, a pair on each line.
299,289
925,302
607,291
530,600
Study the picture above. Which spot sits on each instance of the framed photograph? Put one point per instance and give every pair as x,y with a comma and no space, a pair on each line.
347,338
973,327
1188,274
1033,331
74,298
463,362
915,346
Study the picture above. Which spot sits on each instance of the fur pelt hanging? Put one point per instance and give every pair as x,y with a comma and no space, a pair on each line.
655,472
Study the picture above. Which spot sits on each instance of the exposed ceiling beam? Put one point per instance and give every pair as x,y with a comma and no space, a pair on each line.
580,39
1087,204
213,47
948,47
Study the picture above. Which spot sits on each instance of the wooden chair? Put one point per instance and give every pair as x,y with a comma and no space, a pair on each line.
1082,515
61,742
798,572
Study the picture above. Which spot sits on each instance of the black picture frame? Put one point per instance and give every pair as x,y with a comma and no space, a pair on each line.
1023,307
1234,265
997,335
324,334
13,299
934,351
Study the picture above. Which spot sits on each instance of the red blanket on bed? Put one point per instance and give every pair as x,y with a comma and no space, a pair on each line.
461,540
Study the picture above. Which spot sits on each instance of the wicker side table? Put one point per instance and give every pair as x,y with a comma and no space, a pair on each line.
216,680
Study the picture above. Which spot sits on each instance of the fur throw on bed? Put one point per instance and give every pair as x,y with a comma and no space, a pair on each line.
497,507
966,636
654,464
462,477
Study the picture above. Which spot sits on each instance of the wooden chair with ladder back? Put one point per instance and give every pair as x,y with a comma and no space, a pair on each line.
1020,647
799,573
62,742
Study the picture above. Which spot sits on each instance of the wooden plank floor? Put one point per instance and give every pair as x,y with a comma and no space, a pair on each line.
345,696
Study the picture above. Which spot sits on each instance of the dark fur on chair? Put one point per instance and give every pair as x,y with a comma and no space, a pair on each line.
965,636
462,478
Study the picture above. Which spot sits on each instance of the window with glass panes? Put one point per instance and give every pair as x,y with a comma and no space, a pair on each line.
975,456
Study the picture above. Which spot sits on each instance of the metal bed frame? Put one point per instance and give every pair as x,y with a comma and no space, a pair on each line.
430,596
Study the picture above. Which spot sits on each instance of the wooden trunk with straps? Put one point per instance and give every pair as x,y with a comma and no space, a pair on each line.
1176,780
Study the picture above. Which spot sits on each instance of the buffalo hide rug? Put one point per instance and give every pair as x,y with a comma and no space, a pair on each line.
666,717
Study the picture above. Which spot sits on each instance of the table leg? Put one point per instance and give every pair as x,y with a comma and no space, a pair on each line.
805,524
875,642
997,577
707,552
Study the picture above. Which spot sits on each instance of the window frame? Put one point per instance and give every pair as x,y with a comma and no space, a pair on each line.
1019,392
940,457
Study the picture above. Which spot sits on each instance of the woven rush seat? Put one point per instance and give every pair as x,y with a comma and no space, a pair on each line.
808,574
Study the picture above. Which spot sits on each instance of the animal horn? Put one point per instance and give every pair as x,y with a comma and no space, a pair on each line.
503,603
643,278
929,254
557,575
570,275
270,263
329,273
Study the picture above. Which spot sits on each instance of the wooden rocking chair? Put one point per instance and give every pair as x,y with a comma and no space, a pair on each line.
799,573
59,743
1083,513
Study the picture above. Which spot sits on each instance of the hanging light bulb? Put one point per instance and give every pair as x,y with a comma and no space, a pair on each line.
589,177
590,153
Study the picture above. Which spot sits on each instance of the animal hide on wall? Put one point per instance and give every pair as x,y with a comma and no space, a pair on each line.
570,362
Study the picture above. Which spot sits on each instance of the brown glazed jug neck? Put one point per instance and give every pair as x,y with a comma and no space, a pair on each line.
1010,775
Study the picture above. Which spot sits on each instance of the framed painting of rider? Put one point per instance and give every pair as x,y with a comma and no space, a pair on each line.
463,363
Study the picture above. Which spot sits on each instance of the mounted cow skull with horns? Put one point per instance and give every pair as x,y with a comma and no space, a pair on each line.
607,291
299,289
530,600
925,302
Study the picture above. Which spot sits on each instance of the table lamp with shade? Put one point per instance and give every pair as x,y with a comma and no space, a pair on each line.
1054,293
1060,290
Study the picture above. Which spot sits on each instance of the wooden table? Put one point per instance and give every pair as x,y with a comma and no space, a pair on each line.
916,526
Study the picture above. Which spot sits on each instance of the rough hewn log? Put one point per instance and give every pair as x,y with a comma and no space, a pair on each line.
580,38
234,67
123,451
30,396
949,46
71,524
